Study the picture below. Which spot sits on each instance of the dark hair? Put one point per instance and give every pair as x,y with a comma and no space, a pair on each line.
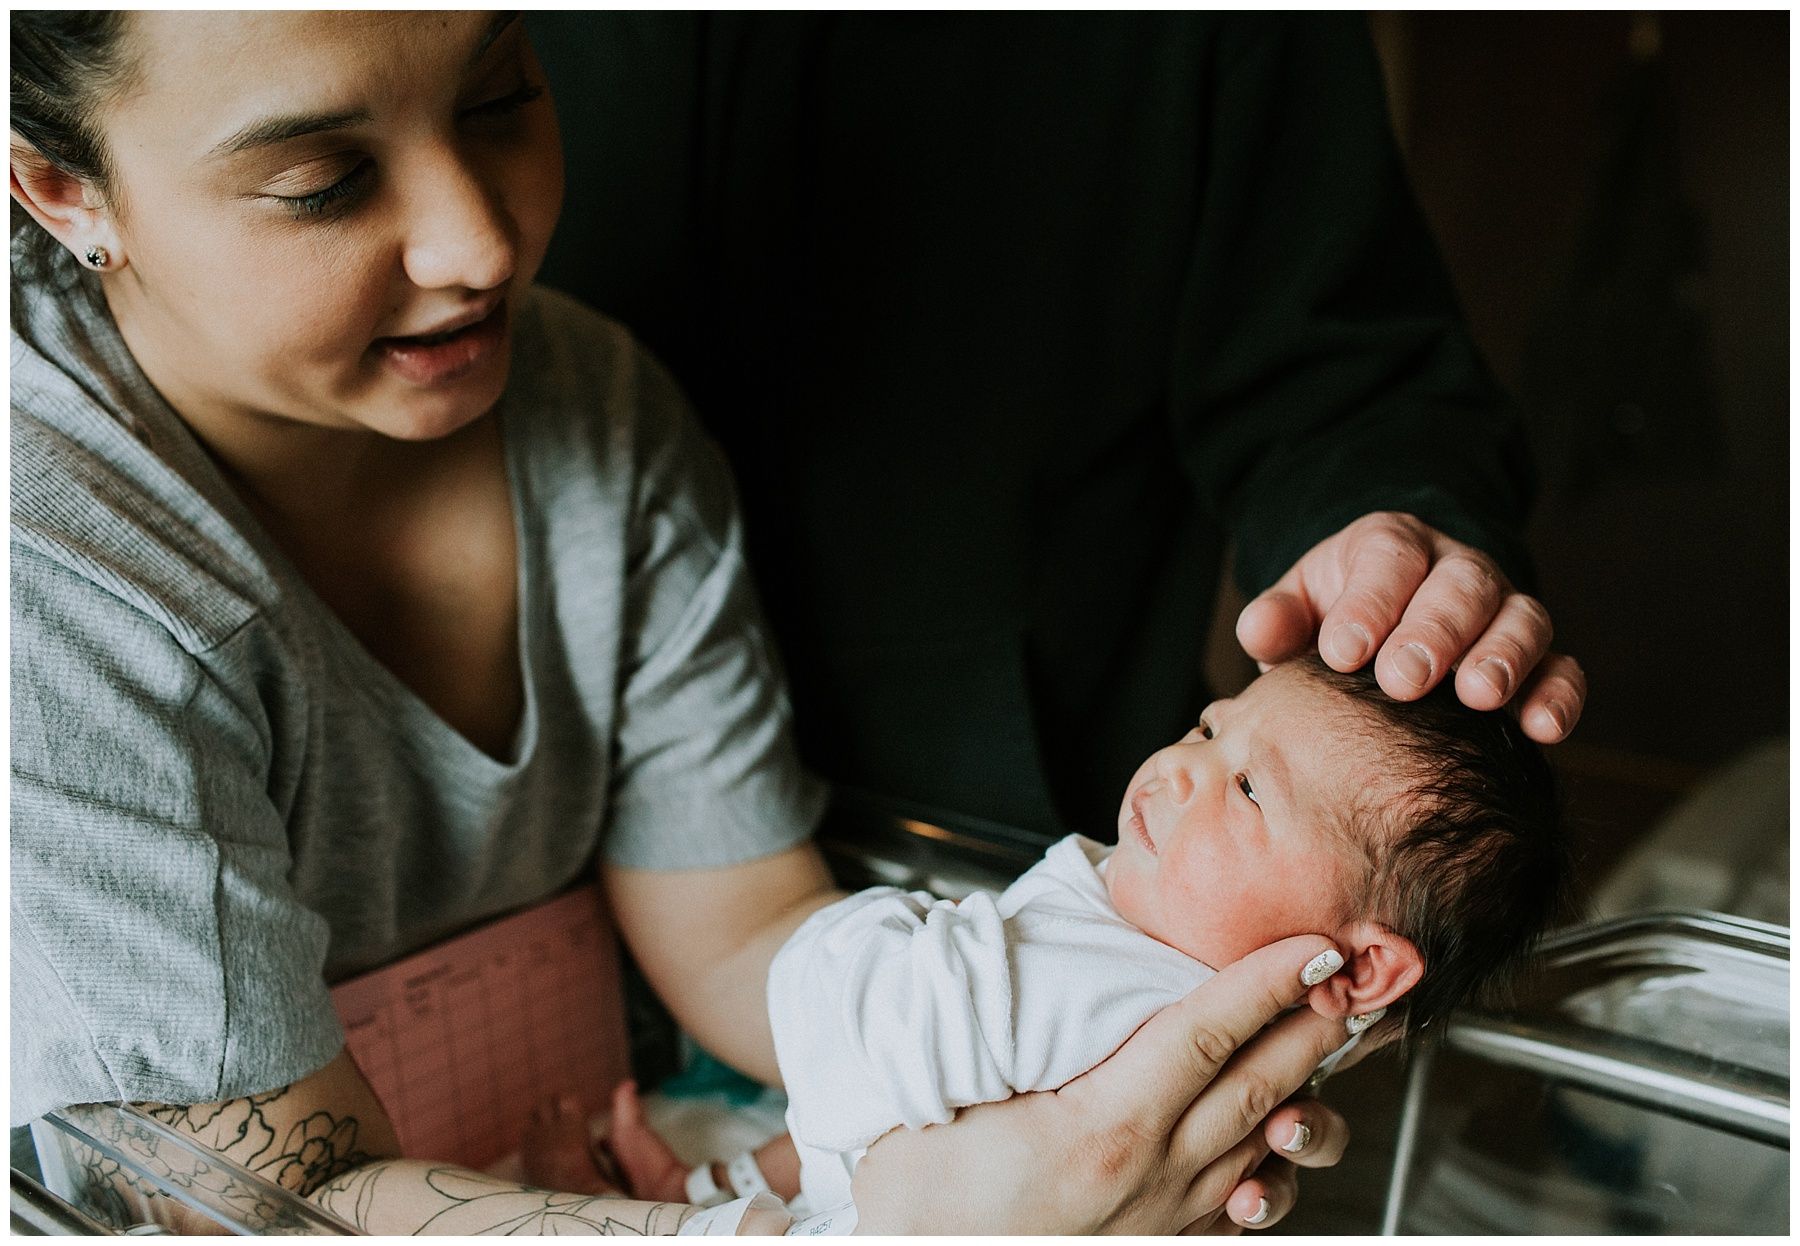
64,64
1479,866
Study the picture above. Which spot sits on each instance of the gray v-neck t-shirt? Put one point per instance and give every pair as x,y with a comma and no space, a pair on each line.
221,802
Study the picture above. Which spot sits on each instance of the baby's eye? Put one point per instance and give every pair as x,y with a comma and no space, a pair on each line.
1204,730
1243,782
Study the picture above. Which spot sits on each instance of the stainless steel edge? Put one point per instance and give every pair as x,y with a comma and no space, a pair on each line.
36,1212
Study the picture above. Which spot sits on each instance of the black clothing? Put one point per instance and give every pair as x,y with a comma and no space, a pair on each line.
1009,323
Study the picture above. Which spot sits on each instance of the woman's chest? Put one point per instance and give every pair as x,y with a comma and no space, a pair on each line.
427,580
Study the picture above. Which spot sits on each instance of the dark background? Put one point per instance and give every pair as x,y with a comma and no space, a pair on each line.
1615,186
1610,192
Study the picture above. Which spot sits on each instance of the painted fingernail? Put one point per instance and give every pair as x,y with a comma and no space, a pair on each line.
1362,1021
1350,644
1321,967
1413,664
1297,1143
1496,674
1262,1212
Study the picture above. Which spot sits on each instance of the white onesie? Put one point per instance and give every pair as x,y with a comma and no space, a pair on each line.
895,1008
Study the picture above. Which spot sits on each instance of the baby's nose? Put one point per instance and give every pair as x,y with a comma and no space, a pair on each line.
1171,768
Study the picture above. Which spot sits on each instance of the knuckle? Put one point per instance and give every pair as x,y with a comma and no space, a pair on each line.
1534,614
1257,1095
1117,1151
1474,577
1436,629
1393,521
1393,545
1210,1049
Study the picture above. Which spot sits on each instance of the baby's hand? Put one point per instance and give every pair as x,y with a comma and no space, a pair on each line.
558,1153
561,1152
652,1170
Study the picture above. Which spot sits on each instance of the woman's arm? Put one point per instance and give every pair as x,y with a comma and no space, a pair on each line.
327,1138
704,939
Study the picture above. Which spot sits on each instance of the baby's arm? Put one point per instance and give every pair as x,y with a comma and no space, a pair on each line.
888,1009
558,1154
777,1159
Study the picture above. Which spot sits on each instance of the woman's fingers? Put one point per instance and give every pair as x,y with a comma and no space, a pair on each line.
1267,1070
1240,1190
1152,1082
1265,1196
1307,1133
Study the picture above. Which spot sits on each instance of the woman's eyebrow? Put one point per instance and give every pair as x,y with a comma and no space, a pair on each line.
271,130
496,27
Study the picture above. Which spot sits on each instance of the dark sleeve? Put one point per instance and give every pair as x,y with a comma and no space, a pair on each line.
1321,369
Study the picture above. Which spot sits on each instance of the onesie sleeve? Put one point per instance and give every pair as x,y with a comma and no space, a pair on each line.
705,770
158,952
891,1008
1321,369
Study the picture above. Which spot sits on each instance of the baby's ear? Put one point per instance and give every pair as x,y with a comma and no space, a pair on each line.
1383,966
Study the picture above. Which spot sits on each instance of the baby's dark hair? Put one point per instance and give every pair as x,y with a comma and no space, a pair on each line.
1478,867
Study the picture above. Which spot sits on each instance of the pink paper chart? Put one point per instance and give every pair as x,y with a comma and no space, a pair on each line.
460,1041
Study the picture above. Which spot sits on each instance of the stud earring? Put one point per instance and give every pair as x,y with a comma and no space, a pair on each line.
98,257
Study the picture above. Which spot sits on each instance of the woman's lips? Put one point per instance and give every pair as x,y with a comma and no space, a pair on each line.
1137,823
438,361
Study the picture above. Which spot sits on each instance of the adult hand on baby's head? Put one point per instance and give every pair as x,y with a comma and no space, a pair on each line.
1392,587
1157,1137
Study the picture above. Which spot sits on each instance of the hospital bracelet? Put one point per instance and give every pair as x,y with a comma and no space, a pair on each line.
727,1219
702,1190
838,1222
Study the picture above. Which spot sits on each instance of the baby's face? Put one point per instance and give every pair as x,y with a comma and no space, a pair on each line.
1229,838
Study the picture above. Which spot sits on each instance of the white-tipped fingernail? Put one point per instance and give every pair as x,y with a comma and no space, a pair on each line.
1363,1020
1262,1212
1321,967
1297,1143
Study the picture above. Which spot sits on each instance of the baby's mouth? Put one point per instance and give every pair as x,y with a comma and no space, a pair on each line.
1137,824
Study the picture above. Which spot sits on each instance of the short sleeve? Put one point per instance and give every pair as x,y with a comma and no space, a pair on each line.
158,951
705,771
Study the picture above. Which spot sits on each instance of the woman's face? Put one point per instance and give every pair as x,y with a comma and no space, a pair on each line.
303,197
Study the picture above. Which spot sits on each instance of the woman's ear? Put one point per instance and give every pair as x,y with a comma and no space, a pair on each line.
67,208
1382,967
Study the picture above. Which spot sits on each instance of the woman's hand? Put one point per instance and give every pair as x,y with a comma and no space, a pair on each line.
1156,1138
1304,1133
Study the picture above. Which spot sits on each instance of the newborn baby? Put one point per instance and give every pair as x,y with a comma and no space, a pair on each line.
1421,836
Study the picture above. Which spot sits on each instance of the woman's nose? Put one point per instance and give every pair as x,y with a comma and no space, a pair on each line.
460,235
